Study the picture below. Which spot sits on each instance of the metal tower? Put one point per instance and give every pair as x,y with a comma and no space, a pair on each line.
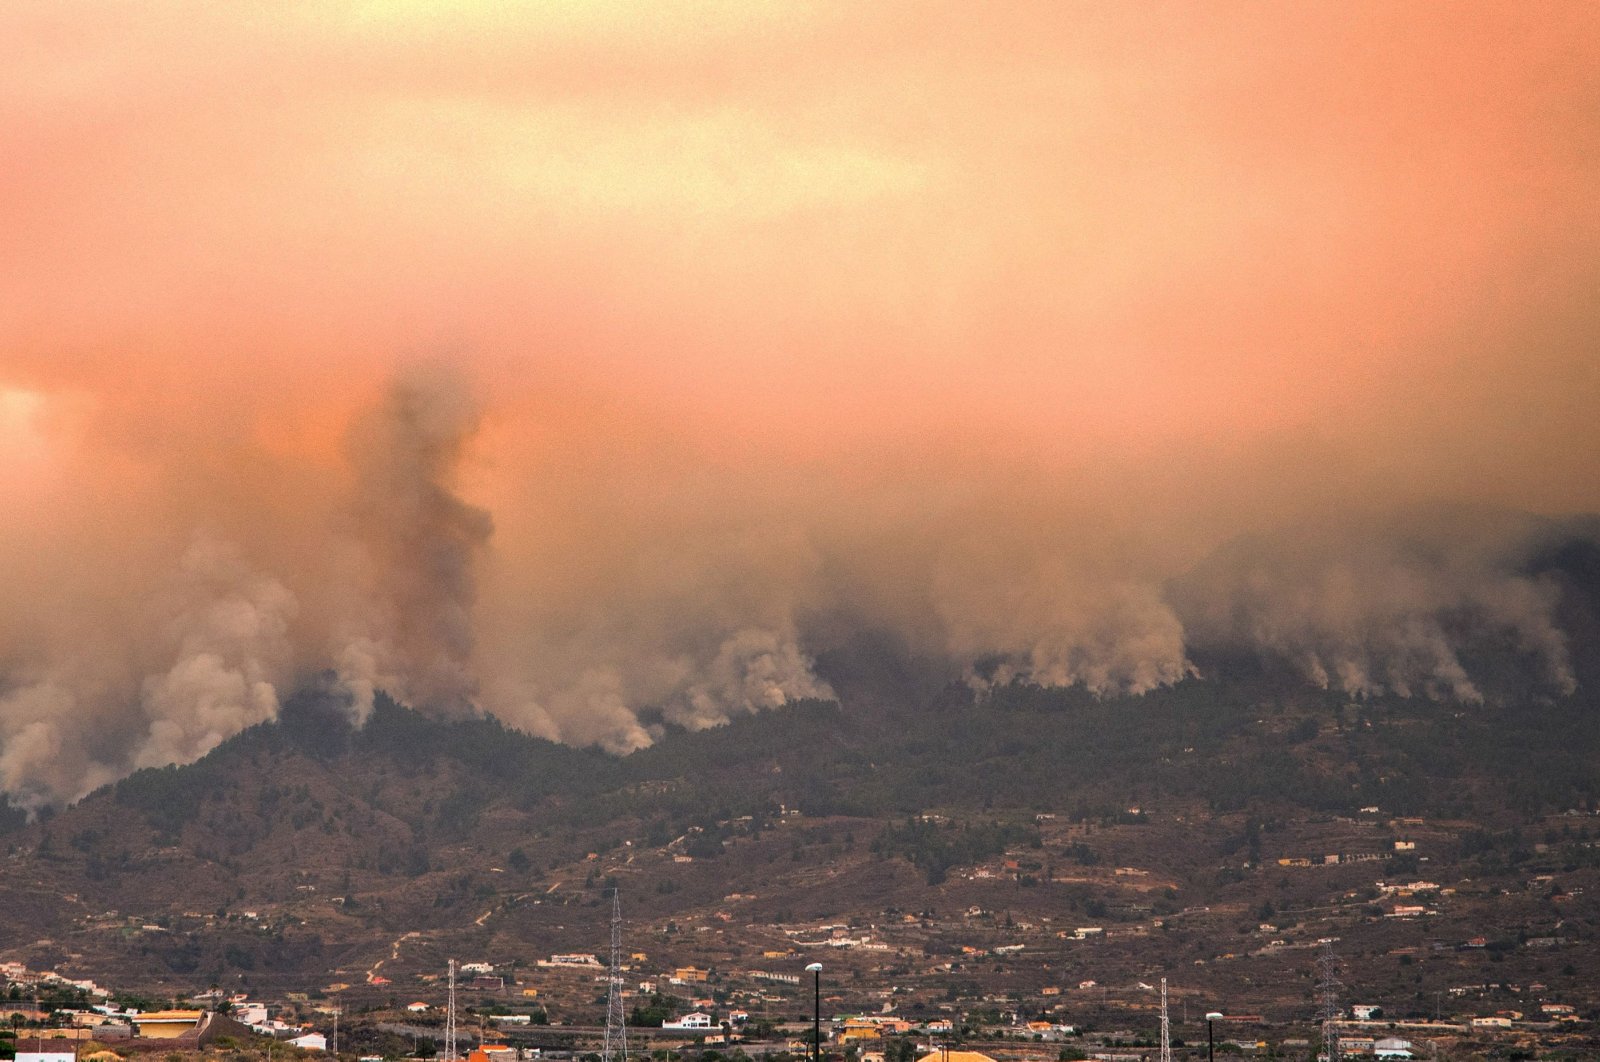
1328,990
616,1044
450,1019
1166,1026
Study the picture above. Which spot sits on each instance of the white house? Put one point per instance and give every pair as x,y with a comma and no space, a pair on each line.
694,1022
1392,1047
45,1056
310,1042
418,1007
249,1013
1365,1011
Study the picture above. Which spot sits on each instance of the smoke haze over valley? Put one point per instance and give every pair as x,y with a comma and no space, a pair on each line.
602,371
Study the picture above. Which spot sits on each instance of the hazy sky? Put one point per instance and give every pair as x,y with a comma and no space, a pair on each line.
742,326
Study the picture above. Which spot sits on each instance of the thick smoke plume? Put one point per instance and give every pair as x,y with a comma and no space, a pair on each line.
1081,351
418,545
1391,609
229,630
698,602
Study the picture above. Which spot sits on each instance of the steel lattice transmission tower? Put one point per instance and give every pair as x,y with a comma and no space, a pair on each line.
1328,992
1166,1026
616,1045
450,1019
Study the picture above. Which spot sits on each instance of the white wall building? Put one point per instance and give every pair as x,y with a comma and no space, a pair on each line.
689,1022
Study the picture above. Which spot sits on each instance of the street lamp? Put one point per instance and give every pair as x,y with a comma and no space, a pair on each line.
1211,1039
815,969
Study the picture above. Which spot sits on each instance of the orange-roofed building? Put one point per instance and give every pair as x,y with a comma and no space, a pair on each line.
493,1053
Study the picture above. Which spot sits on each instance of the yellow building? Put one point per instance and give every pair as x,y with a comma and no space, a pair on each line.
955,1056
167,1024
690,974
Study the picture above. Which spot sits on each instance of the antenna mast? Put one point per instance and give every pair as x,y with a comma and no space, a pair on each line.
1166,1026
1328,989
450,1019
616,1045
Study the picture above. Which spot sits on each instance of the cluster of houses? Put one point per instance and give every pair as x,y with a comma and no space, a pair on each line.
15,973
1392,1047
106,1023
215,1013
1333,859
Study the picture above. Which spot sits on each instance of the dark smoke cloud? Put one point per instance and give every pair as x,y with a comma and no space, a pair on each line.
418,544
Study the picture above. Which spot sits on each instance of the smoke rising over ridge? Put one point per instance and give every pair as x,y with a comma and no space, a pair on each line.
1076,349
418,546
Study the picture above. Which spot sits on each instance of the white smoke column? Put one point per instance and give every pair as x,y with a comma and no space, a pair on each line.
753,670
1390,608
222,631
232,636
596,709
1022,608
44,751
1125,642
419,543
360,675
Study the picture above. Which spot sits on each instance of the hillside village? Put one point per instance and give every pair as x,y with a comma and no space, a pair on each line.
989,962
1045,909
685,1010
504,1014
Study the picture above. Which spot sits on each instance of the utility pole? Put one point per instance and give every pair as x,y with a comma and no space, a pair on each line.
1166,1026
336,1031
1328,989
616,1043
815,970
450,1019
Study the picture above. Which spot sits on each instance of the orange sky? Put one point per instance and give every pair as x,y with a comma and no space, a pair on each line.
771,309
